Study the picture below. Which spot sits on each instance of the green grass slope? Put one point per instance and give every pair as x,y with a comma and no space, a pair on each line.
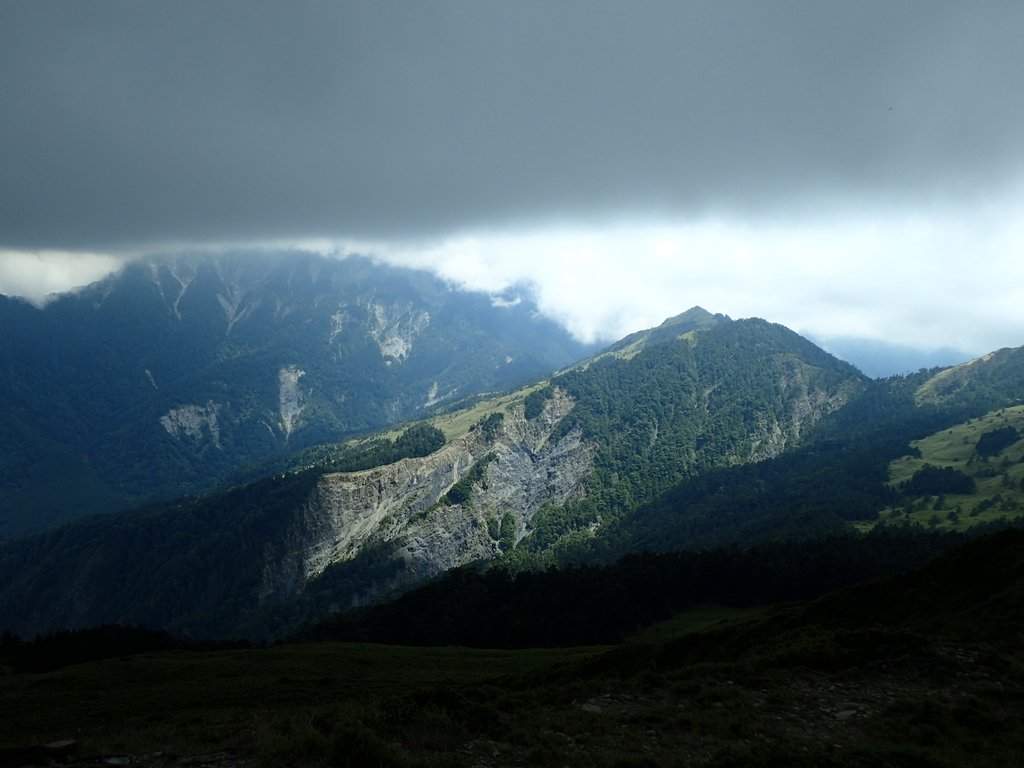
998,478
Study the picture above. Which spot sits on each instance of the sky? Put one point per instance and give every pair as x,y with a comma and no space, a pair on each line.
848,169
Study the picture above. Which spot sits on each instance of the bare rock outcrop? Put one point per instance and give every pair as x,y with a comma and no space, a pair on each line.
520,468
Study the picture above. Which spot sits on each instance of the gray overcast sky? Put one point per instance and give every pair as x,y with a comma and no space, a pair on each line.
846,168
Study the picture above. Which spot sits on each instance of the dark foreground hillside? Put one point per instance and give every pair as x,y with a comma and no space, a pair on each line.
922,669
588,605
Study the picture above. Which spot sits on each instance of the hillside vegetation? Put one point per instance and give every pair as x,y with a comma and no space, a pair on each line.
995,376
178,373
530,476
986,452
704,433
729,394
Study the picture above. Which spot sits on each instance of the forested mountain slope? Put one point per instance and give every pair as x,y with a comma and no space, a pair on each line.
852,468
992,378
176,371
539,473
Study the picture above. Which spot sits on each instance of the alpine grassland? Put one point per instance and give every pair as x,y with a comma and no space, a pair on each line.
997,472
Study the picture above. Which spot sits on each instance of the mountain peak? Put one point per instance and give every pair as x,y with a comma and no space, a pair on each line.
695,317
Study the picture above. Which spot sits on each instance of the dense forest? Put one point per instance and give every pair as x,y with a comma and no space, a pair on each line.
680,408
589,605
578,605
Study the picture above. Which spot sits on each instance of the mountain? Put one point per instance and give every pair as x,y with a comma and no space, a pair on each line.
591,604
995,377
178,371
523,477
693,319
703,432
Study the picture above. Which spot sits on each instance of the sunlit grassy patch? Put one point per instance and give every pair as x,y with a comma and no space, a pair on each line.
457,423
999,478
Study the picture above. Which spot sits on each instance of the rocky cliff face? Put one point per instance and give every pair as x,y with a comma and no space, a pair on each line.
290,397
802,398
513,467
193,423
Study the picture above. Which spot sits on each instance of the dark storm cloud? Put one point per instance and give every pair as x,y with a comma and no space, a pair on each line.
138,123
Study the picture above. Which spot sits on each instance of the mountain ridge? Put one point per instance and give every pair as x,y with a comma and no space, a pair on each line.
167,376
702,431
545,470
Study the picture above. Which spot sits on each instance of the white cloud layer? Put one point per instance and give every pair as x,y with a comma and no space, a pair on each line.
944,279
941,278
35,275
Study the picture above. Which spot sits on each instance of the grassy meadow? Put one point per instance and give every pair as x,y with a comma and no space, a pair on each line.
999,479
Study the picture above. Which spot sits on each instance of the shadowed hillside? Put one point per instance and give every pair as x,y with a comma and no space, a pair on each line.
915,670
177,371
